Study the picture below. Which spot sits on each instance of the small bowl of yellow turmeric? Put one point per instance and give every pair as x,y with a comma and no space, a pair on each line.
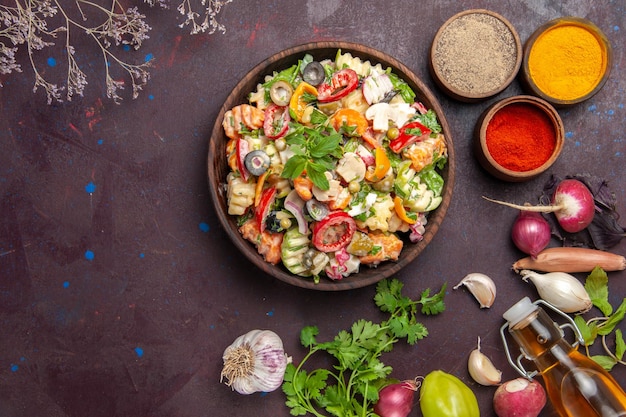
566,61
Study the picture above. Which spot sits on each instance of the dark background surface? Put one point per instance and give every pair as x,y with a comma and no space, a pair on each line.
119,290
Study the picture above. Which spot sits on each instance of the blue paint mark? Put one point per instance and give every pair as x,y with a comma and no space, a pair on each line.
89,255
142,255
151,97
14,367
262,394
149,57
52,62
610,112
90,188
100,141
270,313
66,284
593,107
616,28
139,352
620,106
577,143
204,227
569,135
126,47
619,154
212,326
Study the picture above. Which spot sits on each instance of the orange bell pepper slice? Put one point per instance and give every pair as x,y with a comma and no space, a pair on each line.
401,211
350,117
297,103
381,166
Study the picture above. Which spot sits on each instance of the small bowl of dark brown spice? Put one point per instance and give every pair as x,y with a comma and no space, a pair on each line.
475,55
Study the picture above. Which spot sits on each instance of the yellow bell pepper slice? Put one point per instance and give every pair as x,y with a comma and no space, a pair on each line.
381,166
297,104
401,211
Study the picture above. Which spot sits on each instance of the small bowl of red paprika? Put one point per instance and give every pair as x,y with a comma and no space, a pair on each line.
518,138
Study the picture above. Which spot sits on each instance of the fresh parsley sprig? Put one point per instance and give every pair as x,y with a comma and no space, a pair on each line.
597,287
316,151
351,388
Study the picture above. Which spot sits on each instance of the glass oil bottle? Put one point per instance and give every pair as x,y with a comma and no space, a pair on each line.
576,385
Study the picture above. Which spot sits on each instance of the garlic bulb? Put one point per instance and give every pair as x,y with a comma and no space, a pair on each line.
560,289
255,362
482,288
481,369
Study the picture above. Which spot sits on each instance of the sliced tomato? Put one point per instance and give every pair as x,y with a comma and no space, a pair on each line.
334,232
341,84
243,147
276,122
409,134
268,196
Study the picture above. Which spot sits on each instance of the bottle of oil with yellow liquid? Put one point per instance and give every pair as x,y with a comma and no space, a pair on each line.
576,385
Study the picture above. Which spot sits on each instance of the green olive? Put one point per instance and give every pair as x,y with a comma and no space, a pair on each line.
281,92
285,223
354,187
393,133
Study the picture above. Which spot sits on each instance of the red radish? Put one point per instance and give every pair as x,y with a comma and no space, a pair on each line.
519,398
396,400
572,204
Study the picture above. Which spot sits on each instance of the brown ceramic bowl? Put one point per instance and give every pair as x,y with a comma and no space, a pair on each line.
475,55
491,165
542,89
218,167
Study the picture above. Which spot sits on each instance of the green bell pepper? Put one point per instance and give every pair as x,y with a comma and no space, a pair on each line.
445,395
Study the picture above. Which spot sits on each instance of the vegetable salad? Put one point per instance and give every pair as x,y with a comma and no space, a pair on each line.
331,163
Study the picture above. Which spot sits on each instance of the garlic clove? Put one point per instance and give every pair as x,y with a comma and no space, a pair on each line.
481,369
482,288
562,290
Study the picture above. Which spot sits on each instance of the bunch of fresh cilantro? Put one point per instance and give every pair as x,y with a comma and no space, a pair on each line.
597,286
351,387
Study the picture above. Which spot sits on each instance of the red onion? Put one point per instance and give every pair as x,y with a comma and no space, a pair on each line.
531,232
396,400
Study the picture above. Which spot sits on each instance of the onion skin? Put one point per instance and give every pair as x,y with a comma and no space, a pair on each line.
531,232
396,400
519,398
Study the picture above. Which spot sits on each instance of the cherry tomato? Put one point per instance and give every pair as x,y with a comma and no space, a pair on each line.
268,196
243,147
276,121
334,232
341,84
409,134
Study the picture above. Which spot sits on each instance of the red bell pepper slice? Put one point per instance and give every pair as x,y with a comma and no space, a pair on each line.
342,83
265,204
409,134
243,147
334,232
276,121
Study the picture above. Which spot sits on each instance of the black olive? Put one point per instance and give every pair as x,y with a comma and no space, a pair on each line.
277,221
257,162
313,73
316,210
